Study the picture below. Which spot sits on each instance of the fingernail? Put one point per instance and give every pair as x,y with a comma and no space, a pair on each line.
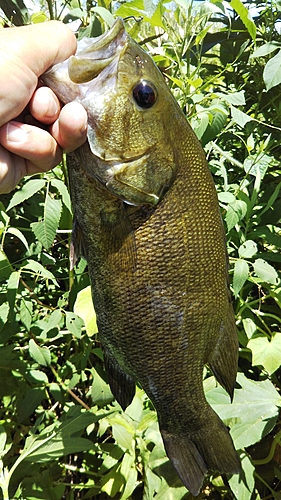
15,133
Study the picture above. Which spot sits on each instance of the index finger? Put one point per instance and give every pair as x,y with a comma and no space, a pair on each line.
25,53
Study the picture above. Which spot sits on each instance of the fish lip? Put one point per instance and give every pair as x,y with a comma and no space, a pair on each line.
97,53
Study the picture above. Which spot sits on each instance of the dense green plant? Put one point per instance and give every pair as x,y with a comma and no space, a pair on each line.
61,433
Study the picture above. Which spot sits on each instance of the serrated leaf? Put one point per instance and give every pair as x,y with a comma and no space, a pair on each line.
266,353
272,71
28,189
41,355
253,413
84,308
245,17
240,275
265,271
247,249
236,212
61,187
45,230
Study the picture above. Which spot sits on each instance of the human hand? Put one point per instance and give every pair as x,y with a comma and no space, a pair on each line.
33,128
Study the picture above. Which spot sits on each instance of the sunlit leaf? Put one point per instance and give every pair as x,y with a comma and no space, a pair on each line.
266,352
45,230
42,355
265,271
241,272
272,71
84,308
247,249
245,16
29,189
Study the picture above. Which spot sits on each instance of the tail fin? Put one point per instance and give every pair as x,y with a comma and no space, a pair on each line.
211,448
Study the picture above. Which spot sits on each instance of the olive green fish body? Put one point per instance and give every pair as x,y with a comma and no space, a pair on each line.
148,222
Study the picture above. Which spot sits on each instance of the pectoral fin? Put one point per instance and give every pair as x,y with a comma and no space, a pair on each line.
122,385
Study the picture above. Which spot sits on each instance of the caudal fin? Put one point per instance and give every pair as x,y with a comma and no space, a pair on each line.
211,448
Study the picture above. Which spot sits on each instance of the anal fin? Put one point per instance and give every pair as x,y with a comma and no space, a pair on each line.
121,384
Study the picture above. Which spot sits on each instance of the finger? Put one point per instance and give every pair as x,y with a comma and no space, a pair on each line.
44,105
10,171
35,145
70,130
25,53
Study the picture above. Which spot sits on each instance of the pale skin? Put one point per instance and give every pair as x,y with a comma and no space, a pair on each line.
34,128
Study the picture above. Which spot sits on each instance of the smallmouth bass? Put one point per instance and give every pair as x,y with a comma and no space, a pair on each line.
146,218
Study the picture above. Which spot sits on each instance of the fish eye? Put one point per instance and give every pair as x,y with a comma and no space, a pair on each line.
144,94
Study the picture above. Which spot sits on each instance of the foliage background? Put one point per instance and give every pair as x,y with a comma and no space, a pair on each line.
62,436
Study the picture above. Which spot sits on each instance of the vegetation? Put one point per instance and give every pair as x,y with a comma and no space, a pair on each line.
62,436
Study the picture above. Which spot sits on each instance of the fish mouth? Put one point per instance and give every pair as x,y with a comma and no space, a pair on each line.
94,56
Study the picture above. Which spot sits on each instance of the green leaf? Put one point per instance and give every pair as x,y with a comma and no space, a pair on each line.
61,187
30,402
272,71
245,17
28,189
26,313
84,308
265,271
37,269
62,439
239,117
104,14
253,413
100,392
226,197
265,49
16,232
5,266
243,484
41,355
129,472
45,230
266,353
236,212
247,249
241,273
4,311
73,323
235,98
122,431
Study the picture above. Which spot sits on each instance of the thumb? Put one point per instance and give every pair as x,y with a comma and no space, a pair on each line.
25,53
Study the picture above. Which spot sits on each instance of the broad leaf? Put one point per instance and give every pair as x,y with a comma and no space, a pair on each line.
266,353
272,71
265,271
41,355
84,308
254,410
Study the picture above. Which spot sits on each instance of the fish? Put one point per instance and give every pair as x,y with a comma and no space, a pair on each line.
147,219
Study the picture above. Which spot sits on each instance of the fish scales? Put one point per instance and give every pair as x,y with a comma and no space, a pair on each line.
148,222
